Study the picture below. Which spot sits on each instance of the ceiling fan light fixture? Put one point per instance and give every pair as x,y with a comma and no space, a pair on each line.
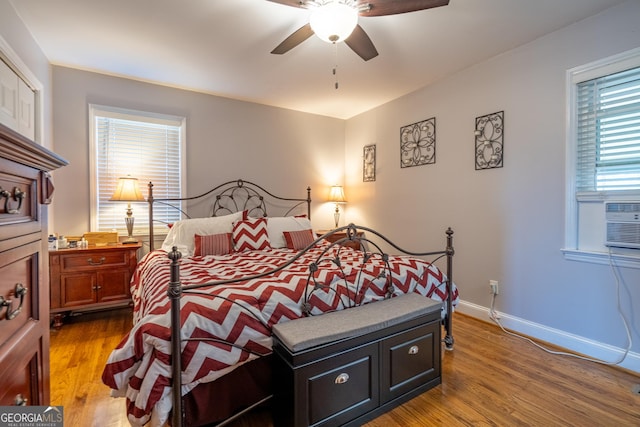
333,21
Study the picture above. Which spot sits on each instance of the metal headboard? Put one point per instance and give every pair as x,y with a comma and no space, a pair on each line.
231,197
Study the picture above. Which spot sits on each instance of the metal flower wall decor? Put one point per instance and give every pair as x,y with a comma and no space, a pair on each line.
418,143
490,141
369,163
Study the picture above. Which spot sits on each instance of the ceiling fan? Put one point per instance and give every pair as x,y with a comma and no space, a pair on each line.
335,21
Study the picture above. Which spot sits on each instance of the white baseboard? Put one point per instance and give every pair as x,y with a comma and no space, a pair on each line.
587,347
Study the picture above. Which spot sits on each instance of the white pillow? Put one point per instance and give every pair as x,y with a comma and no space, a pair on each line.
277,225
182,234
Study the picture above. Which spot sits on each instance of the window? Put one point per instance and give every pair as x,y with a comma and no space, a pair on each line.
603,151
146,146
608,132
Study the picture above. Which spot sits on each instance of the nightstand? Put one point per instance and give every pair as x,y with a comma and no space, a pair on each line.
353,244
84,279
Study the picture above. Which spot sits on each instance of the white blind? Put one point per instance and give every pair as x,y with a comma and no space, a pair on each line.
608,132
145,148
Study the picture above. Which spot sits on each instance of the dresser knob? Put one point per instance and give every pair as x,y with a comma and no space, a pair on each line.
20,292
414,349
20,400
18,195
342,378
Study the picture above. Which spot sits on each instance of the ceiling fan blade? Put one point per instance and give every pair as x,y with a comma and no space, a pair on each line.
394,7
294,3
361,44
298,36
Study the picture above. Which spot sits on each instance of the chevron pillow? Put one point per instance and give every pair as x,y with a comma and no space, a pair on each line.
251,235
214,244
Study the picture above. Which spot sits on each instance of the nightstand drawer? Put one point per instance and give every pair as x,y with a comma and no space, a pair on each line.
93,260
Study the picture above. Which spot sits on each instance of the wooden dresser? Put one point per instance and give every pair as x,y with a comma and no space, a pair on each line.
25,191
92,278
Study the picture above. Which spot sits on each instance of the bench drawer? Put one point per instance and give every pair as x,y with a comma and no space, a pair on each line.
330,391
410,359
342,387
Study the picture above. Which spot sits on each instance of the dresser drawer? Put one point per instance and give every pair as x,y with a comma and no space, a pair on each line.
410,359
19,202
92,260
19,268
21,385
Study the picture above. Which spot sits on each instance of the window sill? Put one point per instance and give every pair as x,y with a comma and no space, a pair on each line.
620,260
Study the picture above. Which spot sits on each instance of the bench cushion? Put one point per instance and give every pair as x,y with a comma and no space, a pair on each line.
308,332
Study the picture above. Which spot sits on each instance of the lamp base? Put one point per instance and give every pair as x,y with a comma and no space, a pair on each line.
129,221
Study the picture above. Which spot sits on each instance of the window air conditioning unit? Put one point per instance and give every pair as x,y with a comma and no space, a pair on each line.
623,224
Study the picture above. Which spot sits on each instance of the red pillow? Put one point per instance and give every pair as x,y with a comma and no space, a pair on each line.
251,235
298,239
214,244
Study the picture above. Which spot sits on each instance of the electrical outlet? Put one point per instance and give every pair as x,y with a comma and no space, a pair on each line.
493,287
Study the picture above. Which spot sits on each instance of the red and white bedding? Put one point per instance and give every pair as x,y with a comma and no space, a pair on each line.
139,368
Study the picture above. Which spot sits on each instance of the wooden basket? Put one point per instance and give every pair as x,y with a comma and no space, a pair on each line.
101,238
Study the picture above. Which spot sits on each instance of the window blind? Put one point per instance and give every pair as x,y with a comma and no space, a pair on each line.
145,148
608,132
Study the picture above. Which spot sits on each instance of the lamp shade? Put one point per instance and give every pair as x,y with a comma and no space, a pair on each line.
333,21
127,190
336,194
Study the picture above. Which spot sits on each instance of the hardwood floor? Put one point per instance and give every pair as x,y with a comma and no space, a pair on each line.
490,379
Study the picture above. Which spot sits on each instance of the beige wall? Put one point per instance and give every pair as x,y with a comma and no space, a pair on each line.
284,150
508,222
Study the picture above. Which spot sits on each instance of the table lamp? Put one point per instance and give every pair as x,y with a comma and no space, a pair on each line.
336,195
127,190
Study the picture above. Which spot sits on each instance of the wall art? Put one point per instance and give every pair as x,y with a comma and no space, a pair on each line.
369,163
490,141
418,143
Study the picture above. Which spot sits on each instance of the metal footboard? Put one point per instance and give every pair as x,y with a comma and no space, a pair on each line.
353,233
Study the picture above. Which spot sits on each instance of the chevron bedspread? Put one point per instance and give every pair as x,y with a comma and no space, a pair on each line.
242,314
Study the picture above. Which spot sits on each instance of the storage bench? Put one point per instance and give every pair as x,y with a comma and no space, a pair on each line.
349,366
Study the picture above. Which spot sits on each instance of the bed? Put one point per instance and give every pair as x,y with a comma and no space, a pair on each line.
205,302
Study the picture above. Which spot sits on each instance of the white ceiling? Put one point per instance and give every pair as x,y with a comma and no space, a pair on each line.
223,47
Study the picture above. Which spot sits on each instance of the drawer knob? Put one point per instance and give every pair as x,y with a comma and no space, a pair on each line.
342,378
20,400
99,262
414,349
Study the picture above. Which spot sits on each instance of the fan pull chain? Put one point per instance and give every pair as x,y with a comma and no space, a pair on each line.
335,67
